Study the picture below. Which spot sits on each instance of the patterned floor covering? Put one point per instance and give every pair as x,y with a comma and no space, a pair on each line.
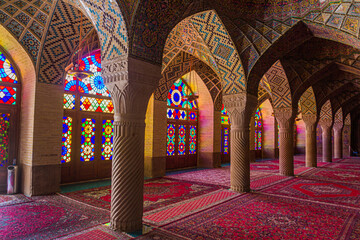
318,203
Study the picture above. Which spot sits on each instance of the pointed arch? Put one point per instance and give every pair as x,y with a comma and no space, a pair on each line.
338,118
326,114
308,102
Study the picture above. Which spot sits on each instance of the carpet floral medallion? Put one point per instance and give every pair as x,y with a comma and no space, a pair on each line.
333,175
47,217
327,192
157,193
258,216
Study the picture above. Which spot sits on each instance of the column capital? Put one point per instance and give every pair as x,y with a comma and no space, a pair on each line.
310,121
338,126
131,83
240,108
284,116
325,123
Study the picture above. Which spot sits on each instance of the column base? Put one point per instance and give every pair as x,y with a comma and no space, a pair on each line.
314,165
240,189
126,226
289,174
327,160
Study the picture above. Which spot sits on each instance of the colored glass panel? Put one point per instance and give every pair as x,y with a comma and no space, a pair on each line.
170,139
176,96
225,120
96,105
4,138
87,149
258,129
7,72
278,130
66,140
107,140
223,110
95,83
8,95
193,116
182,137
192,140
226,141
176,114
69,101
70,83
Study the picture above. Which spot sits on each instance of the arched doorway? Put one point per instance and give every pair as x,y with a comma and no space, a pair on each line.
87,141
225,136
9,116
182,127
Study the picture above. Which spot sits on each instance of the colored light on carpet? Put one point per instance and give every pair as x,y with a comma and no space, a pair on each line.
189,206
263,217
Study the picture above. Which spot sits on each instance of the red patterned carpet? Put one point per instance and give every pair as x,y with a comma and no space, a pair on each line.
318,203
157,193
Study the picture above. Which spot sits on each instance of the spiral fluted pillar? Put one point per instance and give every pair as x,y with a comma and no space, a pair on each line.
240,108
311,148
131,83
285,118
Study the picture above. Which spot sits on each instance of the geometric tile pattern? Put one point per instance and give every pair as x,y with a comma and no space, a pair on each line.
185,38
347,120
111,27
326,112
178,67
338,118
61,40
26,20
222,48
280,89
308,102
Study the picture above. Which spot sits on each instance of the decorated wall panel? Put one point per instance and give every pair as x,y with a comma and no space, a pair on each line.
308,102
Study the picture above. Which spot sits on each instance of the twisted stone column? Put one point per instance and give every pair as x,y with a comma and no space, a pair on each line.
285,118
338,141
240,108
326,142
130,82
311,148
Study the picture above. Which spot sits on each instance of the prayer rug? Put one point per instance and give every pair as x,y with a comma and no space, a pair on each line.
352,160
185,208
257,216
267,181
7,200
333,175
314,190
157,193
345,166
264,167
48,217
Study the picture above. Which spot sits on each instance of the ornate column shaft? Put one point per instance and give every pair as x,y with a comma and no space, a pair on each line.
131,83
285,118
240,108
326,142
338,141
311,148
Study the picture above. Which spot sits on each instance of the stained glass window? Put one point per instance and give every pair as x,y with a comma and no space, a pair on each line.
182,118
66,140
7,72
192,140
107,140
8,95
258,129
4,138
96,105
182,137
87,149
278,135
69,101
224,116
170,139
225,143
